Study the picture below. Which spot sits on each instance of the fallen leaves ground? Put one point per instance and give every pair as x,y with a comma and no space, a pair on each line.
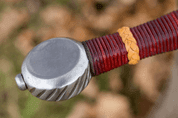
126,92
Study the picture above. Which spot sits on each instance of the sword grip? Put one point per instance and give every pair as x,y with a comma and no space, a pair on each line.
155,37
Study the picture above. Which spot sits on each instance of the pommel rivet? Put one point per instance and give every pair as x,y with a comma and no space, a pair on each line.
20,82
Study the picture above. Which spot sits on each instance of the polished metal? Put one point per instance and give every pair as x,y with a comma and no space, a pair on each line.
56,69
20,82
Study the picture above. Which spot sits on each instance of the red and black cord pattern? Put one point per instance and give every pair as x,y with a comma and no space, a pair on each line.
158,36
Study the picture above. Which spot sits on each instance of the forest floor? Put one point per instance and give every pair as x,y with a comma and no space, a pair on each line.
126,92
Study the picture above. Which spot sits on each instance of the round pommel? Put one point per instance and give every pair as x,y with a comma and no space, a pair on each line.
56,69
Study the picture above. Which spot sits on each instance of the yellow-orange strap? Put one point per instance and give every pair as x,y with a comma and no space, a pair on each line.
130,45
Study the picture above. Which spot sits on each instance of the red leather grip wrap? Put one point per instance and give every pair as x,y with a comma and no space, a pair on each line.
154,37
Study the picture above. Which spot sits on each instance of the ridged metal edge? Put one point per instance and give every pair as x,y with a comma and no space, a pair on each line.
66,92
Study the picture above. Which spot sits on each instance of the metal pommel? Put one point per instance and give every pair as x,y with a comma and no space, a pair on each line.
56,69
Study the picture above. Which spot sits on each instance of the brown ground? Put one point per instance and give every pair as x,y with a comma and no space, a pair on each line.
126,92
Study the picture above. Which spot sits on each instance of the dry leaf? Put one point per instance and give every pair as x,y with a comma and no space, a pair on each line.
24,41
10,20
112,106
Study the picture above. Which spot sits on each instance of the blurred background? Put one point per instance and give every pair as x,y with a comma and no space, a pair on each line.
126,92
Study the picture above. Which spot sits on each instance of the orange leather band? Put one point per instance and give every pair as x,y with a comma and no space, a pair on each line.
130,45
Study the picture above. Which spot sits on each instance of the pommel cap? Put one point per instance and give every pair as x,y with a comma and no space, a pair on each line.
56,69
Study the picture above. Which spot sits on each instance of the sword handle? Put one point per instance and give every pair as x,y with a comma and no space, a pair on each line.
155,37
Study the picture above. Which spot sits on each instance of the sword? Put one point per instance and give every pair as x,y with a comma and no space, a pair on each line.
60,68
